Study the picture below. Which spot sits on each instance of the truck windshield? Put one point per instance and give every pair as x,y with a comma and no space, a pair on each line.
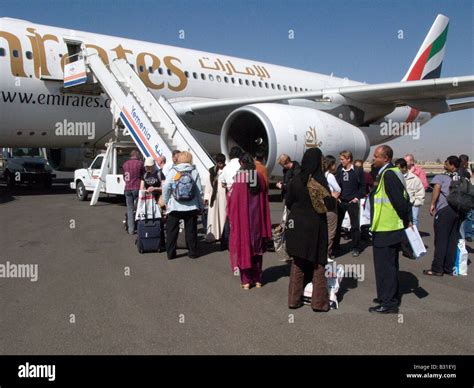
97,163
19,152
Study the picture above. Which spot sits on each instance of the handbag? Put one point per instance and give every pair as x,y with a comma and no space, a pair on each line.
321,198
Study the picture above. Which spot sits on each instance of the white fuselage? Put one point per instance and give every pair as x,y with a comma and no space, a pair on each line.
32,101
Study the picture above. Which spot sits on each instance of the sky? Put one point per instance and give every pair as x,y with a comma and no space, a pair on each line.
354,39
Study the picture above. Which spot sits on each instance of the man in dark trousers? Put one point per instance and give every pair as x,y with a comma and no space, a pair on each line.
290,169
352,183
390,216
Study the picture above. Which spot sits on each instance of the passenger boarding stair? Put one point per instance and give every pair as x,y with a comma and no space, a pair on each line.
153,124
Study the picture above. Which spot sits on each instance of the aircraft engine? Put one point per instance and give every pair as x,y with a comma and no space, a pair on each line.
276,129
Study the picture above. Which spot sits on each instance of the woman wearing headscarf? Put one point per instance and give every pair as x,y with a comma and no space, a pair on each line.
250,226
307,232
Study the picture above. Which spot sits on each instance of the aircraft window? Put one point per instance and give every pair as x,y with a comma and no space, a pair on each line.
133,67
266,85
141,69
254,83
203,76
240,81
2,52
284,88
211,77
273,86
186,73
247,82
195,76
278,87
226,79
15,53
260,83
291,89
168,71
218,78
150,69
160,70
232,80
29,55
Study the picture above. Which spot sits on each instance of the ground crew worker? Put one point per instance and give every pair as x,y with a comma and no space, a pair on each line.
390,215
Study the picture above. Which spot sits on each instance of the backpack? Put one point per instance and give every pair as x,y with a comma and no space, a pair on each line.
461,195
184,187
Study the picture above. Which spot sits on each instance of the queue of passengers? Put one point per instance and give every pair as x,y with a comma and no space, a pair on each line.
316,196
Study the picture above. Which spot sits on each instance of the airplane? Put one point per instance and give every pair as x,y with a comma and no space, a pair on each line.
225,100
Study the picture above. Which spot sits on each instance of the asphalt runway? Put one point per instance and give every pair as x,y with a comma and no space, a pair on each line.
95,294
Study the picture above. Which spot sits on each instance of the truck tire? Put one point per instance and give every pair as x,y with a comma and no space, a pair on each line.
81,191
48,182
10,179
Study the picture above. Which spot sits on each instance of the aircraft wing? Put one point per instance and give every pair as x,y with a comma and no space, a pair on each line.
429,95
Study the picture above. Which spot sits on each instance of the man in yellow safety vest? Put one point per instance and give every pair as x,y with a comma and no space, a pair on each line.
390,216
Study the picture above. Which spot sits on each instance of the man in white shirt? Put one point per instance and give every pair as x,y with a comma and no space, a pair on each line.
227,179
231,168
329,164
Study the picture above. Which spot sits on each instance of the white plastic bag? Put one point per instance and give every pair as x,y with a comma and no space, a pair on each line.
278,236
147,207
416,243
364,212
460,265
346,222
334,274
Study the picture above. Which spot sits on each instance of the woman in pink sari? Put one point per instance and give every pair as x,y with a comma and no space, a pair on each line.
250,226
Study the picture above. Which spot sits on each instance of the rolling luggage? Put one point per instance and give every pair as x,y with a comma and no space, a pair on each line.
148,236
149,224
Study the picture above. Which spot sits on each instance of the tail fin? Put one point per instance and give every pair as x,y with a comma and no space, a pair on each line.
429,59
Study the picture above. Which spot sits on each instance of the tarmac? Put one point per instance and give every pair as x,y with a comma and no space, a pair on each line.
95,294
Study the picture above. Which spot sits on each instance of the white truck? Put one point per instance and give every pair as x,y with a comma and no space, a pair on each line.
85,179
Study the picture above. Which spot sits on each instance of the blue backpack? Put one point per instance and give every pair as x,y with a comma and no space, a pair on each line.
184,187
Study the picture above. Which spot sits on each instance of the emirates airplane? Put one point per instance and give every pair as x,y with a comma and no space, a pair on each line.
225,100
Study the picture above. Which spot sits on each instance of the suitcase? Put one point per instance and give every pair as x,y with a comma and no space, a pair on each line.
148,236
149,226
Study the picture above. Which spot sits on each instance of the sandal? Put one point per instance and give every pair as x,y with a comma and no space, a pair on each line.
258,285
429,272
245,286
